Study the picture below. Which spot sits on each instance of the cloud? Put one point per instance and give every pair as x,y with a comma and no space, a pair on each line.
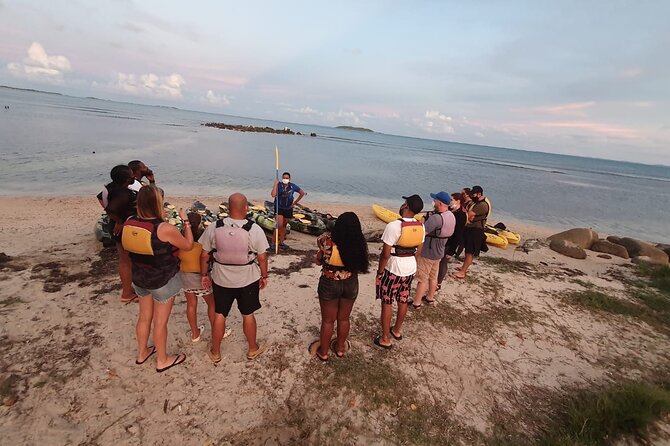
340,116
435,122
595,127
570,109
130,26
39,66
215,99
150,85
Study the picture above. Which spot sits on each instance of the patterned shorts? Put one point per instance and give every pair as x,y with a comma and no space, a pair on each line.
391,287
199,292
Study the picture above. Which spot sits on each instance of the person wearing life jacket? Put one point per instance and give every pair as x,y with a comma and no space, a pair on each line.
439,226
343,254
283,193
397,265
474,236
237,247
456,238
152,245
189,268
120,203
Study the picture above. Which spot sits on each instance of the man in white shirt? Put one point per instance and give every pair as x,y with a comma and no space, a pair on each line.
236,276
140,170
402,239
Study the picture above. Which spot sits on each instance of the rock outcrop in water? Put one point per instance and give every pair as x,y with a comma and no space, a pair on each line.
249,128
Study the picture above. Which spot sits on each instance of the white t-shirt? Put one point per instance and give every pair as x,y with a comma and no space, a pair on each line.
400,266
236,276
136,186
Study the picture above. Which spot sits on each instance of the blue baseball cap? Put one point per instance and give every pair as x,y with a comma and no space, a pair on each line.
442,196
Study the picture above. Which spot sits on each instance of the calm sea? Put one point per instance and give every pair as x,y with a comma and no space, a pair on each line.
59,145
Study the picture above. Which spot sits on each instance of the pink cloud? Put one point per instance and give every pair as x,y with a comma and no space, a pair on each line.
595,127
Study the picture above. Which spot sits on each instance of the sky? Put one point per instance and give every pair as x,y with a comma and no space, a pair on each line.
572,77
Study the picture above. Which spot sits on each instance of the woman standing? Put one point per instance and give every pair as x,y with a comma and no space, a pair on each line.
343,255
152,244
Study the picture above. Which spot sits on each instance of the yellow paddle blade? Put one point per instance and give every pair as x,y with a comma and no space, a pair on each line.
258,207
307,222
299,216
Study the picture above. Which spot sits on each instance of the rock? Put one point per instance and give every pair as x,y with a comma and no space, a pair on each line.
638,248
610,248
648,260
605,256
664,247
374,236
614,239
568,248
582,237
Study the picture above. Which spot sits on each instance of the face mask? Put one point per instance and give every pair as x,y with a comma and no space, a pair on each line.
285,180
402,208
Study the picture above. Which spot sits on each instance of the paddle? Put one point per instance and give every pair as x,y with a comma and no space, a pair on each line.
277,201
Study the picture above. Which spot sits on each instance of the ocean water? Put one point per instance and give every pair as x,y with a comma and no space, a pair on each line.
60,145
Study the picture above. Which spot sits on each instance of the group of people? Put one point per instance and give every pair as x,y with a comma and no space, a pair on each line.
227,262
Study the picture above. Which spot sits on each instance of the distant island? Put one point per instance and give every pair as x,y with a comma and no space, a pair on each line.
251,128
358,129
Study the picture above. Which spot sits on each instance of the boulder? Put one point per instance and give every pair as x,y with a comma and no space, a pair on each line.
648,260
614,239
664,247
610,248
605,256
568,248
582,237
638,248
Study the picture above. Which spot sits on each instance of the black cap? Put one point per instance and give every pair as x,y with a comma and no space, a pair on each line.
476,190
414,203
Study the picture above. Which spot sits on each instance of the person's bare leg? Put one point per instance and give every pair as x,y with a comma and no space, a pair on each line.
249,328
161,316
344,307
328,317
218,329
192,314
281,222
466,264
387,314
432,289
125,272
143,327
421,288
211,312
400,318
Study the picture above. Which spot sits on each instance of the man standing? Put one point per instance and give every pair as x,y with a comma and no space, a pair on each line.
397,266
475,238
439,226
239,272
140,170
283,194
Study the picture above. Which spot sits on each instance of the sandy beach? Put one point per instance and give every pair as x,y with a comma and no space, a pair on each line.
498,347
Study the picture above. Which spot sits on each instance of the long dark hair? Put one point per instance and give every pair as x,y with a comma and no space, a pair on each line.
348,236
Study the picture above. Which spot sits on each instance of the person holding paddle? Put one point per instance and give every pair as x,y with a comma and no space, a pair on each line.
283,193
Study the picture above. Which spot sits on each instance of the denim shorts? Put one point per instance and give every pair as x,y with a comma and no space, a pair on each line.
330,289
162,294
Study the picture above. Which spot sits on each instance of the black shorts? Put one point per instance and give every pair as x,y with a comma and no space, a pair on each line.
330,289
247,298
288,213
474,240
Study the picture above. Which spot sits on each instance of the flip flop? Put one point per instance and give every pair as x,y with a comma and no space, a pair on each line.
333,347
454,276
396,337
430,301
313,350
177,361
153,350
261,348
416,307
214,359
378,343
201,328
127,300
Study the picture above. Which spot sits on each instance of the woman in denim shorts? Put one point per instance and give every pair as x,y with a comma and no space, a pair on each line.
343,254
152,244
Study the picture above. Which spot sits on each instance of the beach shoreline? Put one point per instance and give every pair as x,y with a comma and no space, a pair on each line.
510,335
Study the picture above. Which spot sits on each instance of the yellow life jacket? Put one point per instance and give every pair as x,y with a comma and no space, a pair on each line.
136,237
335,259
411,236
190,260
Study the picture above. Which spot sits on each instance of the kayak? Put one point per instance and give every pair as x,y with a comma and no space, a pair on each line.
101,231
312,227
265,221
387,215
512,237
496,240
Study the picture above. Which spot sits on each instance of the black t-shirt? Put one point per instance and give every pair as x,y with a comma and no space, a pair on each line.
122,202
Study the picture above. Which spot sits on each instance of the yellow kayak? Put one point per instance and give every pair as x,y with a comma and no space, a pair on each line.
496,240
512,237
387,215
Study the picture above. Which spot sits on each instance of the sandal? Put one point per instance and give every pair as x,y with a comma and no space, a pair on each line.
333,347
153,350
215,359
313,350
127,300
201,328
395,336
177,360
378,343
261,348
416,307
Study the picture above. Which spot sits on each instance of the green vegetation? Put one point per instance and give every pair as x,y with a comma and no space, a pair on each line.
599,301
658,275
359,129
